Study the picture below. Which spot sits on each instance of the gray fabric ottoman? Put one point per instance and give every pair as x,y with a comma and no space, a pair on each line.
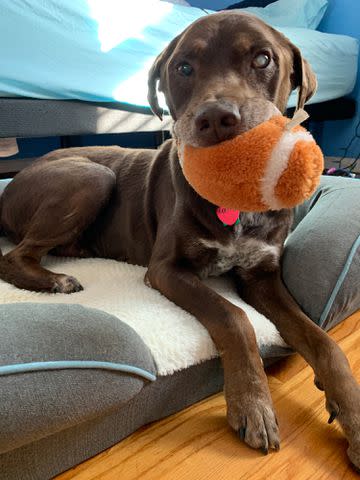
75,380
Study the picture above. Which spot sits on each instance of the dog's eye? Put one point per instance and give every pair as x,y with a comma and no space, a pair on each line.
185,69
261,60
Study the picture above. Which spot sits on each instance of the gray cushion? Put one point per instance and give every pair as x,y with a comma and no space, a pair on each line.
39,403
44,458
321,262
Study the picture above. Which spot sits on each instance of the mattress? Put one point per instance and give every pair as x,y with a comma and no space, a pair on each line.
101,50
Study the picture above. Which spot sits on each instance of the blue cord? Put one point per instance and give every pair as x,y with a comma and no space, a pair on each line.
75,364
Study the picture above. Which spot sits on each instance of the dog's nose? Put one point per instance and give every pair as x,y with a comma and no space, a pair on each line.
215,122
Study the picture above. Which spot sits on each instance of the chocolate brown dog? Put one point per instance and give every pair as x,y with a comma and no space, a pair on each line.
219,78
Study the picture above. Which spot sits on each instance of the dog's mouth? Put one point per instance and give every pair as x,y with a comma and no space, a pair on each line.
207,128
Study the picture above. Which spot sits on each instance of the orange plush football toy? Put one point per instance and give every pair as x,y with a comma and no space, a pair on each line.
274,165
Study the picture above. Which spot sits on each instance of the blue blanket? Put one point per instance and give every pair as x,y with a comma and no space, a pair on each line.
101,50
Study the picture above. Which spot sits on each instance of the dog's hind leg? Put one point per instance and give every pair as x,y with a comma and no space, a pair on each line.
45,207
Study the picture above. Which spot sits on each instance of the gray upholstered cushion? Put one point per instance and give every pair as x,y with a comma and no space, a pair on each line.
44,458
321,262
40,403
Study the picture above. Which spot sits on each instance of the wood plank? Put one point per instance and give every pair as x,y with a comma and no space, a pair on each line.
197,443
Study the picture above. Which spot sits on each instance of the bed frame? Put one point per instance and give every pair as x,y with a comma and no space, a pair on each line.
26,118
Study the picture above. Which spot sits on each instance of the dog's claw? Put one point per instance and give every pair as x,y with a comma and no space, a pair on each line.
264,450
242,433
332,417
318,384
333,408
276,447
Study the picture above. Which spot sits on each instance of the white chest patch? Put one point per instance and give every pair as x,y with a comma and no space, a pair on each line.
241,252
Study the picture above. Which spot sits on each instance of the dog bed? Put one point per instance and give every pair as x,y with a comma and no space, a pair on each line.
174,337
117,348
120,349
80,372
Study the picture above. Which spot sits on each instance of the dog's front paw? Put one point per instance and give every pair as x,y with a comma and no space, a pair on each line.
252,416
65,284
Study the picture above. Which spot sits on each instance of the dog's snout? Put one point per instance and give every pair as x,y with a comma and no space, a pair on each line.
216,122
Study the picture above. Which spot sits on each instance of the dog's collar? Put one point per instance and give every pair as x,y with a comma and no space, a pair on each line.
227,216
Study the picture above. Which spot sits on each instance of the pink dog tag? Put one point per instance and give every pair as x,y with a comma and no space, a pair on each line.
227,216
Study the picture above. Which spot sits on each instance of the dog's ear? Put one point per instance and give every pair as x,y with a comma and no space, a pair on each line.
155,76
302,78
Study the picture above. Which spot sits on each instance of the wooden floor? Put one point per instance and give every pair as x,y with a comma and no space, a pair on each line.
196,444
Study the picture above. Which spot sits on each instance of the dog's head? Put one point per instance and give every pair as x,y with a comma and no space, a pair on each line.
224,74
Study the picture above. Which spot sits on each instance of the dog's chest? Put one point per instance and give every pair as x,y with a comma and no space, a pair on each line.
246,248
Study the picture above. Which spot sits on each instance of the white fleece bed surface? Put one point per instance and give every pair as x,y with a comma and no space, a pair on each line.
175,338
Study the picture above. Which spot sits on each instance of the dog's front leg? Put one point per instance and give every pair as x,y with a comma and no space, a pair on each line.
267,293
249,405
